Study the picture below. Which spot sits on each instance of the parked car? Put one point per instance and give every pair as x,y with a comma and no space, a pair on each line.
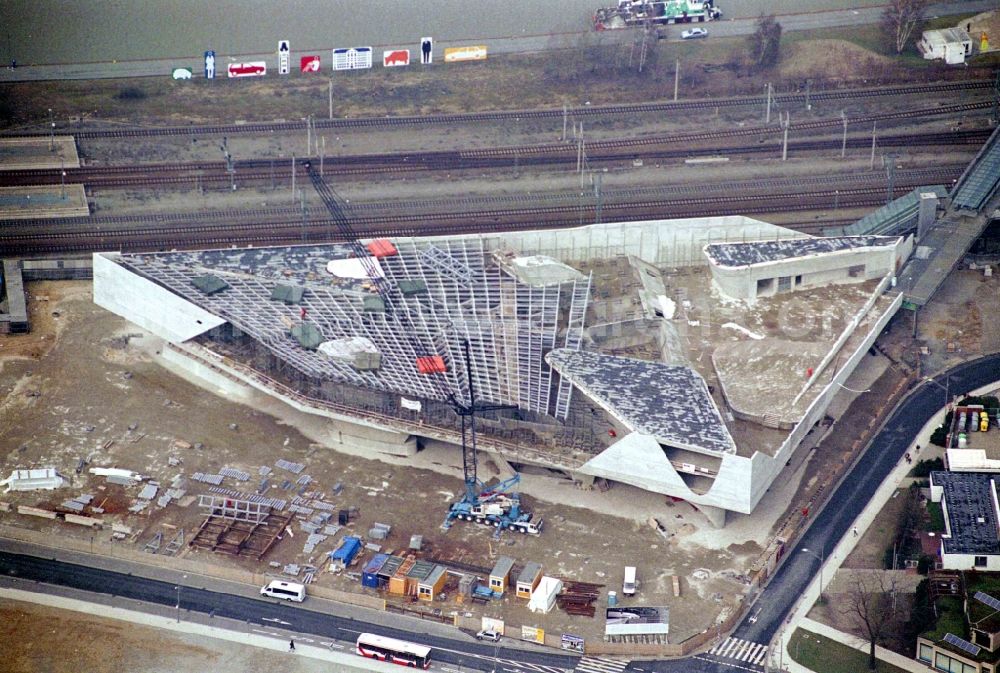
489,634
694,33
182,73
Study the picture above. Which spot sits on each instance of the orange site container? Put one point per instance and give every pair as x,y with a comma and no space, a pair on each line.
382,247
431,364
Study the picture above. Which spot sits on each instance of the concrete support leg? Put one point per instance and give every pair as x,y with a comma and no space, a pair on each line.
715,515
506,470
584,481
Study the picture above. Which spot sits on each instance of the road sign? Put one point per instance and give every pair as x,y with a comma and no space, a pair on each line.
309,64
455,54
426,50
209,64
284,52
251,69
395,57
354,58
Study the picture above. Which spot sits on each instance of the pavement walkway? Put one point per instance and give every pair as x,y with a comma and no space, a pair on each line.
832,563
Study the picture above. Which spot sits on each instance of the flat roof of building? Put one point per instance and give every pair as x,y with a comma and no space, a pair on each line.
669,402
972,519
760,252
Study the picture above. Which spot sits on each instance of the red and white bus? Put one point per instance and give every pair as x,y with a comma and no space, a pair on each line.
394,651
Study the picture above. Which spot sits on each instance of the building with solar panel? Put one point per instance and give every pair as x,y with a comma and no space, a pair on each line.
689,358
965,635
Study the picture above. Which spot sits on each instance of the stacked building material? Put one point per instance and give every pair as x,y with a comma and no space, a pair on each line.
577,598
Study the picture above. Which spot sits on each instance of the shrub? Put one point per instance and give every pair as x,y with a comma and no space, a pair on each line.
924,468
131,93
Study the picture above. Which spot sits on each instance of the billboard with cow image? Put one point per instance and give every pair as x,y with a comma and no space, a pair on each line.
396,57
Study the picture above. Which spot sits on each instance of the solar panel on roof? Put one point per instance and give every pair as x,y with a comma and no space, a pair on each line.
964,645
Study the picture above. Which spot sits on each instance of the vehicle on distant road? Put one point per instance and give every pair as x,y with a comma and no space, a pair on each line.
182,73
693,33
490,635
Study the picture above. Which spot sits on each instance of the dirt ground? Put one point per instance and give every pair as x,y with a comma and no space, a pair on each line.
41,639
79,399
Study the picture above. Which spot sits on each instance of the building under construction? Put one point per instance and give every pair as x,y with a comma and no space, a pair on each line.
683,357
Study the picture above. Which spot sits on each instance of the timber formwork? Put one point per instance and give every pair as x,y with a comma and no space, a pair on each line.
241,537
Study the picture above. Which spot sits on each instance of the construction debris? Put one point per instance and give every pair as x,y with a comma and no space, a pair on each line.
577,598
215,479
294,468
239,475
274,503
117,475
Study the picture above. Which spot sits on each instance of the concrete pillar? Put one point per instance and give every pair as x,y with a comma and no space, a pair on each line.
506,470
927,213
584,481
715,515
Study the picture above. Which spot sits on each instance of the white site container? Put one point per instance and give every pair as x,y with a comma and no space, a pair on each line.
543,598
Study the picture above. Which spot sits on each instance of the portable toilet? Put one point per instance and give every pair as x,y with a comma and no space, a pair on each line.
984,421
528,579
369,576
429,588
544,595
500,575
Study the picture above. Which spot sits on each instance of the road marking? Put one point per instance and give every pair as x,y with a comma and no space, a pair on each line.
600,665
726,663
746,651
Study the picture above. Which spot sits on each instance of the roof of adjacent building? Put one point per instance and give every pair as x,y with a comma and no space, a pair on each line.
760,252
669,402
972,520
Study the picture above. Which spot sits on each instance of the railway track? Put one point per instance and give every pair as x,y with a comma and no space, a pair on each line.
230,229
943,173
263,171
478,117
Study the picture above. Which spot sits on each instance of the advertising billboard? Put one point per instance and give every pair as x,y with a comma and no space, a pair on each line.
250,69
353,58
396,57
634,621
309,64
455,54
284,57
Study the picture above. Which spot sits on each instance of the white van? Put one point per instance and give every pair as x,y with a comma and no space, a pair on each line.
629,585
288,591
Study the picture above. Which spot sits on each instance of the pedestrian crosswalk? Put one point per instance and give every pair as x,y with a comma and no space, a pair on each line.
741,650
599,665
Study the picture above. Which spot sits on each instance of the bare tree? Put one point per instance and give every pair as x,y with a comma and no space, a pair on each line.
870,602
763,44
900,19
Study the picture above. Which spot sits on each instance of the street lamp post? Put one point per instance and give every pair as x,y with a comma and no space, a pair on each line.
946,387
819,558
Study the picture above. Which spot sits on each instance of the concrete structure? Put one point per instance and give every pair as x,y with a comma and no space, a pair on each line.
623,361
13,303
747,271
950,44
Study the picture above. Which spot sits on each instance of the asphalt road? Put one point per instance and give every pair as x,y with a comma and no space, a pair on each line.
768,614
547,31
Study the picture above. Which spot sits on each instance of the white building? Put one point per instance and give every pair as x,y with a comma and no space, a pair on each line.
951,44
969,502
